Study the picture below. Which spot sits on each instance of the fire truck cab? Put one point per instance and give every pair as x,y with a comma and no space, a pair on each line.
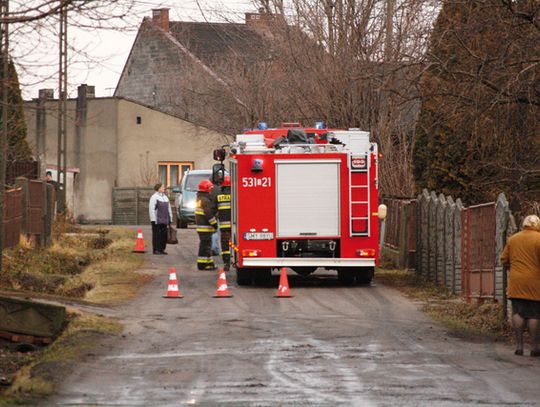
304,198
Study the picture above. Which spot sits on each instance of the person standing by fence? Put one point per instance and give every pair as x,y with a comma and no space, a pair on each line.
160,213
522,256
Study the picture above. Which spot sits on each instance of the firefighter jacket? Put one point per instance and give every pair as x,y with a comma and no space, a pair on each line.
205,213
224,208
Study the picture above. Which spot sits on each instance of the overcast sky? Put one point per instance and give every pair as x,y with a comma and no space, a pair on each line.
102,53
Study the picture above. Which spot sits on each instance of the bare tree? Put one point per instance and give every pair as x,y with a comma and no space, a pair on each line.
347,62
148,175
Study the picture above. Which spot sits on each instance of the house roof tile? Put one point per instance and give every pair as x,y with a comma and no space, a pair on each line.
213,41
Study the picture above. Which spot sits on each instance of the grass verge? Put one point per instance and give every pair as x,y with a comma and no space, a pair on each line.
79,265
467,320
49,366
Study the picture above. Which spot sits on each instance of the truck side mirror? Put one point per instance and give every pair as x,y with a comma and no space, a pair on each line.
218,173
219,154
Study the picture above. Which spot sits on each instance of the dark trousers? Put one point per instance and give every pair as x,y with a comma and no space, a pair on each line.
159,237
204,259
225,235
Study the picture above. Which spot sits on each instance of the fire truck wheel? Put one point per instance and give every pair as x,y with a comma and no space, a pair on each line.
243,276
346,276
304,271
364,275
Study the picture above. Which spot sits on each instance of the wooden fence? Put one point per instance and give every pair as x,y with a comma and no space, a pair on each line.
130,206
400,232
456,246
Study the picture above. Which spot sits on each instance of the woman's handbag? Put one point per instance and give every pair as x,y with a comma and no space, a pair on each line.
172,237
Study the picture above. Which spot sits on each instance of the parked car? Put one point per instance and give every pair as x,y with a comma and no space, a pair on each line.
186,195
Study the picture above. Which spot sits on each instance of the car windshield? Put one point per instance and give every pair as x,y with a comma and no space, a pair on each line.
193,180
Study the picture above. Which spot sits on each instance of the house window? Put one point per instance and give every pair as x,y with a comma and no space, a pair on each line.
170,172
139,119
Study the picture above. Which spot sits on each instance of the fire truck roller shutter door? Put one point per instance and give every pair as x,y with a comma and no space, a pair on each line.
308,198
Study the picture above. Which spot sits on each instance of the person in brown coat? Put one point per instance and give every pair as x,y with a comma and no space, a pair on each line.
522,255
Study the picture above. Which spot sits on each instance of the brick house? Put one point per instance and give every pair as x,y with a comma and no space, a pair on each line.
187,68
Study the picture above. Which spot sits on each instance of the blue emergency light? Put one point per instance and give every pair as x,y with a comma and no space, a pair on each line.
262,125
319,125
257,165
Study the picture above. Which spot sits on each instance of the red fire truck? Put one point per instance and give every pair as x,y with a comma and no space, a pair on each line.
304,198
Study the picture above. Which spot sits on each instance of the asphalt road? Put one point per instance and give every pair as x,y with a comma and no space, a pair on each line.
327,346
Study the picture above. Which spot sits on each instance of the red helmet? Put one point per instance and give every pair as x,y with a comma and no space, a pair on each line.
205,185
226,181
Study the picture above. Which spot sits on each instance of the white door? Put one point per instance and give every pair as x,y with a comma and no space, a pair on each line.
307,197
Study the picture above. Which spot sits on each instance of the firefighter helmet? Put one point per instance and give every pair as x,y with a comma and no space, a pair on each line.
226,181
205,185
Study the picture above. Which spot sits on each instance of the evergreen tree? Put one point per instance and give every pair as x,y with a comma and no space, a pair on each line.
478,132
17,144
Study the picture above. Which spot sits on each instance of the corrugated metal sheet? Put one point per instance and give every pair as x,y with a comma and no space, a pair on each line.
478,252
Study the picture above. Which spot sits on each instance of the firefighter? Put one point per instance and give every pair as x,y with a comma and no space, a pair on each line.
206,221
224,217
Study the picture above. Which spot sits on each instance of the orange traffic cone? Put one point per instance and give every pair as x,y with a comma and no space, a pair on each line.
139,244
283,290
222,289
172,288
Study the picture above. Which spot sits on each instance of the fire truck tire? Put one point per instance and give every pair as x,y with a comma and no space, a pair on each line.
346,276
364,275
304,271
243,276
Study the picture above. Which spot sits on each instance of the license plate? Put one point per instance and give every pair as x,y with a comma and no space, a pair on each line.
258,236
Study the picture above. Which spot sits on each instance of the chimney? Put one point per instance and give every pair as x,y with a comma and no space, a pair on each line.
260,19
88,92
160,17
46,94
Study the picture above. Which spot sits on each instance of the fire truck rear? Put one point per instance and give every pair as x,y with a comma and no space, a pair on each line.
304,198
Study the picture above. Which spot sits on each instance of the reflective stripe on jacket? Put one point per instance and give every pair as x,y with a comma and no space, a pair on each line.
205,213
224,208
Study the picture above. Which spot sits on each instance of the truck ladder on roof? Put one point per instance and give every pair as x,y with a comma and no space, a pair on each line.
359,194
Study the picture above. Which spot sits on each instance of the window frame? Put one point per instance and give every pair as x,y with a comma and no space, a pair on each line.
168,165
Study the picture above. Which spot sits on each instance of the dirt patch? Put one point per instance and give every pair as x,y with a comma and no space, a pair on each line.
466,320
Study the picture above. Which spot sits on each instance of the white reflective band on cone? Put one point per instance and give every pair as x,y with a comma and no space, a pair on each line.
172,287
139,236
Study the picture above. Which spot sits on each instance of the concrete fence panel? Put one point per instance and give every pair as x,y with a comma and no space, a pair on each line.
422,246
432,238
457,246
440,231
502,213
449,242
